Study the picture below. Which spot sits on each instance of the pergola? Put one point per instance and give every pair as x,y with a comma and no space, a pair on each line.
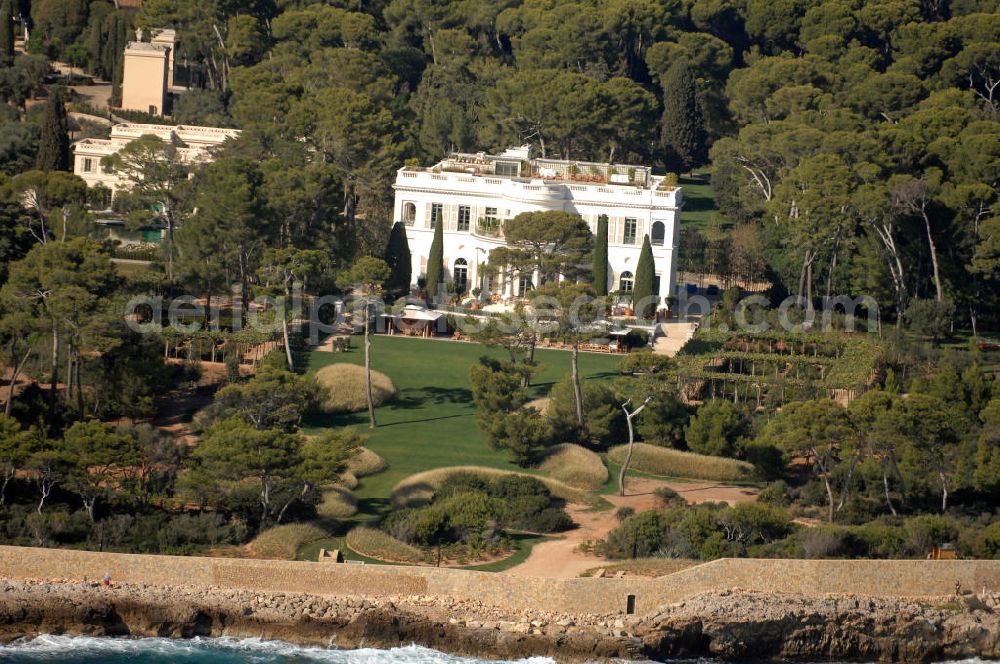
413,321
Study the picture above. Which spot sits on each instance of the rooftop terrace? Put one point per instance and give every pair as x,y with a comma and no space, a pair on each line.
517,163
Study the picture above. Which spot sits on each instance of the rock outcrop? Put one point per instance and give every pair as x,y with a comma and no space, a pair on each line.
740,625
728,625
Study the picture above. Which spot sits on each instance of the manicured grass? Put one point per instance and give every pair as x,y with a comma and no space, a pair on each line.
430,423
699,202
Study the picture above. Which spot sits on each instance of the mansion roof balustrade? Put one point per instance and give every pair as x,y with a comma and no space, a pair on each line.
539,190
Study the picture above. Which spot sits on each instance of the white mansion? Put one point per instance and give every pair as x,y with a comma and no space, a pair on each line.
473,194
194,146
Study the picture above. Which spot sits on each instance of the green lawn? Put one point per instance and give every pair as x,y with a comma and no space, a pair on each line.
699,202
431,421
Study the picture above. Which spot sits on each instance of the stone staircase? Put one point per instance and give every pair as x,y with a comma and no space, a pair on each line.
670,337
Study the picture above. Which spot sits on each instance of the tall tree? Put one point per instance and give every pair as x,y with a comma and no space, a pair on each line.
546,245
154,175
53,149
367,277
287,267
600,268
435,262
398,258
6,32
573,309
683,133
643,297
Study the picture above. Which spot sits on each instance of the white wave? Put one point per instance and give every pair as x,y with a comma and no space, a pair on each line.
258,649
66,649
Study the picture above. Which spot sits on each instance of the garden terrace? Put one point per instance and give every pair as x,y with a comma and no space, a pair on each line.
770,369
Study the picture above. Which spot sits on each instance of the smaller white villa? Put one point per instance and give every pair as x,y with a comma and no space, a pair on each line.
195,145
473,195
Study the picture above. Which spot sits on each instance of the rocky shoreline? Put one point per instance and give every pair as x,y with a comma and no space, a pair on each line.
727,625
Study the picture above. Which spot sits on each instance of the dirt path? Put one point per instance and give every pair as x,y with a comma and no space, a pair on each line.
560,559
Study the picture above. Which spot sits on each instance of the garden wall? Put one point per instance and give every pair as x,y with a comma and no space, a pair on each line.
891,578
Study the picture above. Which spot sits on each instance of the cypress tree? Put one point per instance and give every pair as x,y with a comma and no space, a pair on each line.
435,261
53,148
600,269
645,274
6,32
397,257
683,134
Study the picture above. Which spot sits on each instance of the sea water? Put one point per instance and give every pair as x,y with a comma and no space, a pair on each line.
90,650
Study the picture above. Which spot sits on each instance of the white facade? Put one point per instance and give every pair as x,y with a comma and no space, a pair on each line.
194,144
474,194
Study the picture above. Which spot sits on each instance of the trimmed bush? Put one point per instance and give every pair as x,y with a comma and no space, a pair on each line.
379,545
574,465
345,384
282,542
365,463
668,462
337,503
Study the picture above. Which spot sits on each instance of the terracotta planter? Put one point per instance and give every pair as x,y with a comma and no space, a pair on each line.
475,306
628,311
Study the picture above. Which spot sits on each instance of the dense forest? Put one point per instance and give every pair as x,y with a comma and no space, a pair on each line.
853,147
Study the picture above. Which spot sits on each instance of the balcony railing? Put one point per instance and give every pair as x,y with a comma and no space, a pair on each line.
488,227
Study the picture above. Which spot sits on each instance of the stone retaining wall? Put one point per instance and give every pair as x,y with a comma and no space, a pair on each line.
881,578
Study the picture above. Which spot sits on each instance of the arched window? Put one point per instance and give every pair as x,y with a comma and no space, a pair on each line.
625,282
409,213
460,274
658,234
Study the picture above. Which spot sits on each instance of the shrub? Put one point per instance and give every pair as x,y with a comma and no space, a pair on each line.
337,503
604,417
461,483
282,542
549,520
345,384
364,462
768,459
377,544
541,405
674,463
715,428
663,421
516,485
516,510
623,513
667,498
574,465
775,493
989,543
823,542
639,536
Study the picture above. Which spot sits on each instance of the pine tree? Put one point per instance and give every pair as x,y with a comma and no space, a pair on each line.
6,32
600,270
435,261
683,134
645,274
53,148
397,257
